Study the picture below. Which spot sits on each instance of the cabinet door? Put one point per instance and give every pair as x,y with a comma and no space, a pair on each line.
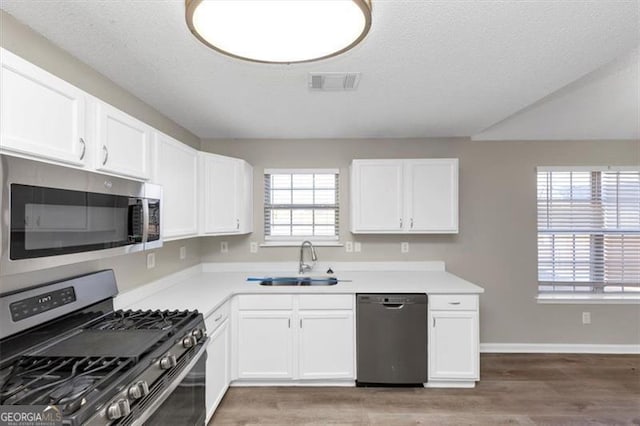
376,196
218,367
326,348
453,345
123,143
432,195
175,168
246,201
41,115
220,194
265,345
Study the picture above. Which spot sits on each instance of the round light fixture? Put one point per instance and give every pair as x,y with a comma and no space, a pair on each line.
279,31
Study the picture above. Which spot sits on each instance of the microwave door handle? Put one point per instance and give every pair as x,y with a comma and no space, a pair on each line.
145,220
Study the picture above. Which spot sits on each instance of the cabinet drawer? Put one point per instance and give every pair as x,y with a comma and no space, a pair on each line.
265,302
326,301
216,319
453,302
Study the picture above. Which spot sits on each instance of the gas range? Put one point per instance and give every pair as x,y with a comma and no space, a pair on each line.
64,345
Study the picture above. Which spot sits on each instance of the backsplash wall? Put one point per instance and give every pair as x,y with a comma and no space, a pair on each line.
130,269
497,244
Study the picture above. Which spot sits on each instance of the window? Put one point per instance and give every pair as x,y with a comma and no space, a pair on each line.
301,204
588,230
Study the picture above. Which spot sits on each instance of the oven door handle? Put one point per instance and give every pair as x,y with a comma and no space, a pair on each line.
145,220
165,393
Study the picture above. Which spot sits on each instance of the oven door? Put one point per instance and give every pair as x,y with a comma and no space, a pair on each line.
183,402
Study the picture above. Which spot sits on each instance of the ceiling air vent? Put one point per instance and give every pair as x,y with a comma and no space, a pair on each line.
334,81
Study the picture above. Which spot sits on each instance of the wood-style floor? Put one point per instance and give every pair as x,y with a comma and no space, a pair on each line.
526,389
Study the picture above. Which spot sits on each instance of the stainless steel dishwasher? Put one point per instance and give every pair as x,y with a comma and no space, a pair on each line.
391,339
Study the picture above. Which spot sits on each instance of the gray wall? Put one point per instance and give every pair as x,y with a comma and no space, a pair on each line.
496,246
131,270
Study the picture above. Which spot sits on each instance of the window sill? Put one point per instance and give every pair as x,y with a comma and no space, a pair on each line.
589,299
298,243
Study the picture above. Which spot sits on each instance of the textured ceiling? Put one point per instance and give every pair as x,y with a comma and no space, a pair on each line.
429,68
602,105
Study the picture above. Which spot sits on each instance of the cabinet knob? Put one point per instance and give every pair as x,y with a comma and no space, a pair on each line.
411,223
400,222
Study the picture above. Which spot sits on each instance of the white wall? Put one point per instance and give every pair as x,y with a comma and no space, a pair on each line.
602,105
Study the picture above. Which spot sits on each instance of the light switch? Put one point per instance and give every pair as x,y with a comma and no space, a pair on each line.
253,247
183,253
348,246
404,247
357,247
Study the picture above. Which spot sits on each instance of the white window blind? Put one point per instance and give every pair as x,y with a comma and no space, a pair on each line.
301,204
588,230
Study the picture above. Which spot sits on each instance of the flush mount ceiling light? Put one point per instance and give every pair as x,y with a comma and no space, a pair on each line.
279,31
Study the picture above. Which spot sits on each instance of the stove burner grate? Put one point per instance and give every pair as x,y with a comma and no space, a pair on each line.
142,320
68,382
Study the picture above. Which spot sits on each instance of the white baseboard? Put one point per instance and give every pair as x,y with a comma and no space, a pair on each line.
560,348
289,383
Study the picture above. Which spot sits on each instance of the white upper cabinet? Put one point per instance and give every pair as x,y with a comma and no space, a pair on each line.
225,185
404,196
175,167
432,195
45,118
246,200
42,116
124,143
376,196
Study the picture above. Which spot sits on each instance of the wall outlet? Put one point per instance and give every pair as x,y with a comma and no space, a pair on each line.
586,317
224,247
348,246
404,247
357,247
183,253
253,247
151,260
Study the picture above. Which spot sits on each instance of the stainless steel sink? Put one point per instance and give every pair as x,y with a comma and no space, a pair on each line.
300,281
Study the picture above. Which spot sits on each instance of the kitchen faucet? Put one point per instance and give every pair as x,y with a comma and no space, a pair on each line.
303,267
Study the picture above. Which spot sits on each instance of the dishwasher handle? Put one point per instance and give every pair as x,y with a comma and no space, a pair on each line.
393,305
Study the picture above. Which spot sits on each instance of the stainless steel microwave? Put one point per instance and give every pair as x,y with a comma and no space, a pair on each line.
52,215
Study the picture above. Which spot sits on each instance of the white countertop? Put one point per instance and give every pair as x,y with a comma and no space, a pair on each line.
206,291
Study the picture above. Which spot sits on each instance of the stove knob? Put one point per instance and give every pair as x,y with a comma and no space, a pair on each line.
168,362
198,333
118,409
188,342
138,390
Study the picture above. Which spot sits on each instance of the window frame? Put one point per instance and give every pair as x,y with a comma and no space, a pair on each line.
594,289
296,240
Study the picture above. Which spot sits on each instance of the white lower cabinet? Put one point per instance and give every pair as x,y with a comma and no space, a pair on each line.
299,344
325,349
218,375
453,339
265,345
